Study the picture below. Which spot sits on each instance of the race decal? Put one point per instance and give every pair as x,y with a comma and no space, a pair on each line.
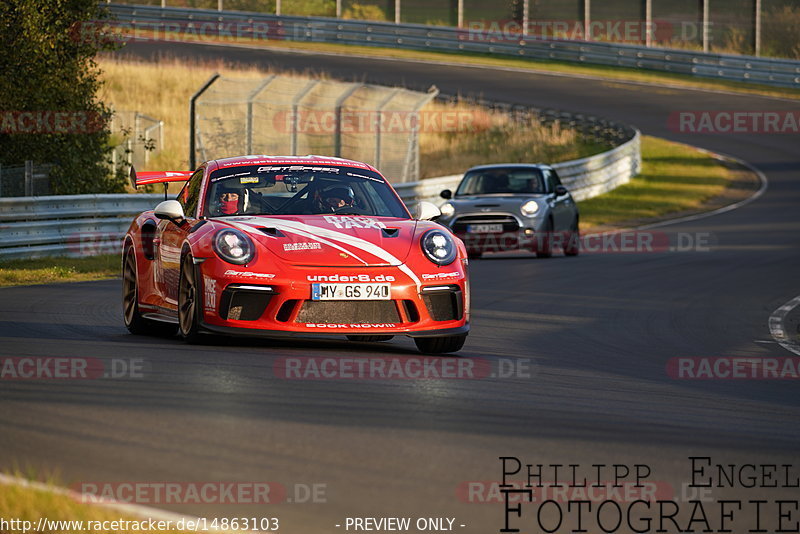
210,293
293,247
346,221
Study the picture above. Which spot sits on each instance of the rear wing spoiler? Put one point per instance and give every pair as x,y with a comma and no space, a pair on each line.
158,177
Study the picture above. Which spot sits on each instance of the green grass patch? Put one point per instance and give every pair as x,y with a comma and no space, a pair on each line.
675,179
50,270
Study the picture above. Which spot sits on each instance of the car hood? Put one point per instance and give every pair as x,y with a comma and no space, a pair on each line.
327,240
491,203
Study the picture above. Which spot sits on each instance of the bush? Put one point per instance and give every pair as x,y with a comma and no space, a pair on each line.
780,35
48,71
364,12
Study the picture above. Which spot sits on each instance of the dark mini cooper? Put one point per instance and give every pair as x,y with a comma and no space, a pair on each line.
512,207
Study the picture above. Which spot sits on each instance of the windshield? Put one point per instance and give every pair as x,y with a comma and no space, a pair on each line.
300,190
502,181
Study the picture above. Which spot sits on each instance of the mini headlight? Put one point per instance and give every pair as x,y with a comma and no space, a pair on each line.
447,210
530,208
438,247
233,246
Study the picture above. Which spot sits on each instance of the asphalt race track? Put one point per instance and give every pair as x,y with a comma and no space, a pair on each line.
596,333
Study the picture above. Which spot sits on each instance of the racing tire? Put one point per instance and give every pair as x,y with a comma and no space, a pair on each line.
572,245
544,242
188,302
440,345
134,322
368,339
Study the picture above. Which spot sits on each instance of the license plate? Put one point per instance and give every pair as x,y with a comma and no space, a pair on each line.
484,228
351,291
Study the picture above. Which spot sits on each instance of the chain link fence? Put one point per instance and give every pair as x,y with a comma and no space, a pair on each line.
283,115
27,180
136,137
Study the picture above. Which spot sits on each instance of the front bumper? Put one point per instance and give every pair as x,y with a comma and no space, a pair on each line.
238,302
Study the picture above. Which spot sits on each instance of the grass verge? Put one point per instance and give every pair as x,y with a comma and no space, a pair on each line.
52,270
676,180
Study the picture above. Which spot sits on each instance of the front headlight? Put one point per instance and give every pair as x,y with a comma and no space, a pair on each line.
447,210
530,208
439,247
233,246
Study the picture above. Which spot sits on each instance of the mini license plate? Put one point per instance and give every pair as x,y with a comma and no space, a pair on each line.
351,291
484,228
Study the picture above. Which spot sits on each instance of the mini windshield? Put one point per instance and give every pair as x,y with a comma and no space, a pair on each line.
300,190
502,181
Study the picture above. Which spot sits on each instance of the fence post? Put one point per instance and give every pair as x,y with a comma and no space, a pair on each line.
379,132
28,178
192,125
587,19
648,23
706,29
757,29
1,180
295,104
250,98
337,136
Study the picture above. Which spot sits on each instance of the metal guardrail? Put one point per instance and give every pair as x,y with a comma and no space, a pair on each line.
86,225
768,71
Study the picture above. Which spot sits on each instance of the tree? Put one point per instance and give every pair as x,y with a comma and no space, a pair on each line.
49,111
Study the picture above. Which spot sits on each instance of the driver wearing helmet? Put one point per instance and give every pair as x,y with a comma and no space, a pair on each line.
227,201
336,197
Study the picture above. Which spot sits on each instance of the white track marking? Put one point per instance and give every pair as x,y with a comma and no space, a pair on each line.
777,326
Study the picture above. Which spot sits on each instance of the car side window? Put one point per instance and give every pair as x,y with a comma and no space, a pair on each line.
189,196
556,179
549,182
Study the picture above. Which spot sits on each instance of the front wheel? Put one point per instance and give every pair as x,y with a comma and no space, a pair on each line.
368,339
572,247
188,303
439,345
134,322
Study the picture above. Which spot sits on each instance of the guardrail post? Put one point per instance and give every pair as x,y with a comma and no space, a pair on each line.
192,125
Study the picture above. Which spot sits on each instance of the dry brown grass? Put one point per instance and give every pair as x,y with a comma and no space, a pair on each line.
162,90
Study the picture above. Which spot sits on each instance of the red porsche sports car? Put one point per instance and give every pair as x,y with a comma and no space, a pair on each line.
276,246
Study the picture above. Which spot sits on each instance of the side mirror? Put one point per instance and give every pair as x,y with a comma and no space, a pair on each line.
426,211
561,190
446,194
170,210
